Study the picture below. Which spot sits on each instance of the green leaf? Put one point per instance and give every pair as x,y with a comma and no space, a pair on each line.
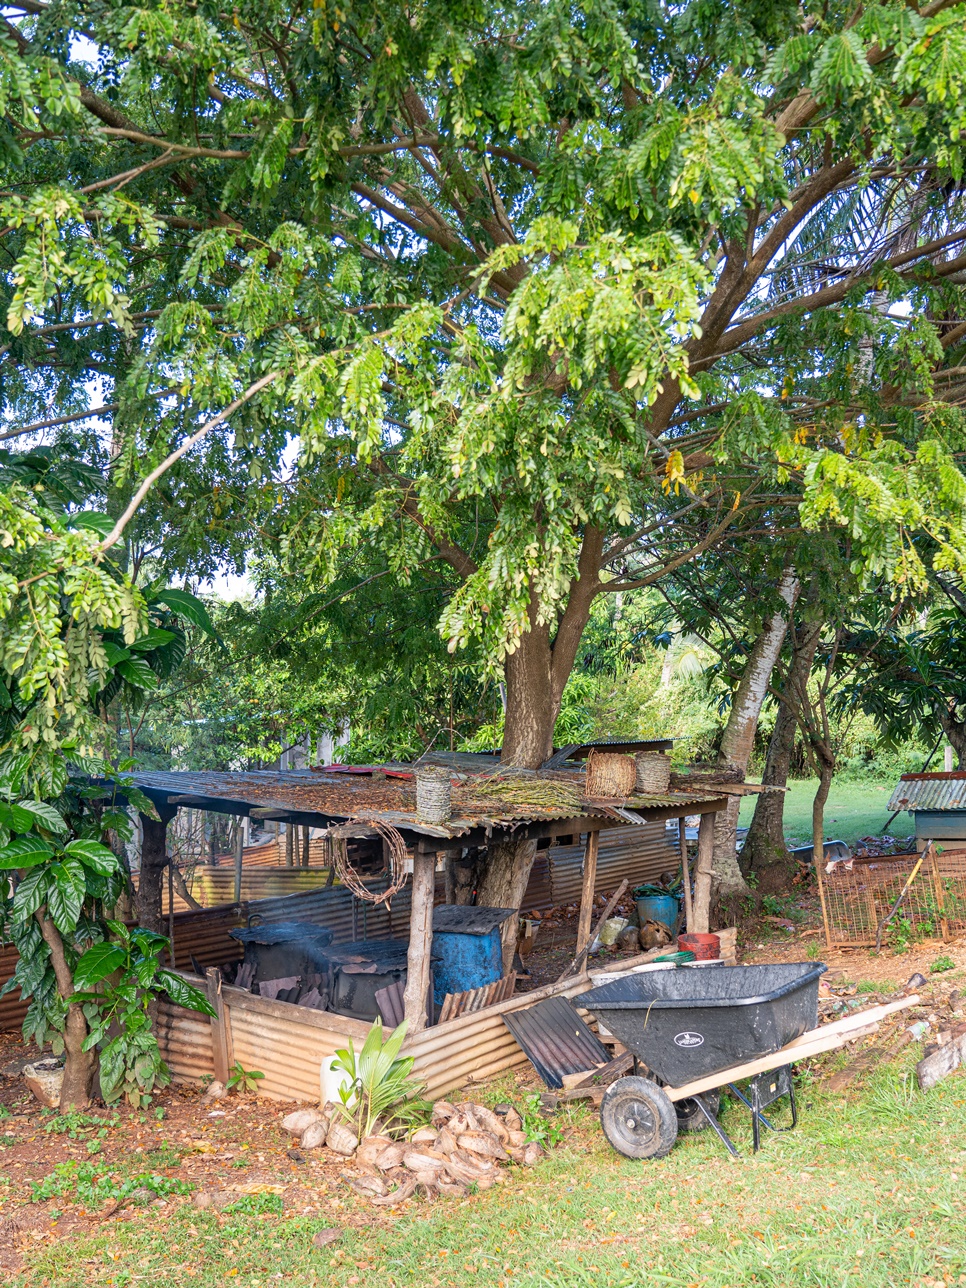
93,521
31,893
97,963
15,817
94,855
138,673
182,993
114,653
45,815
188,606
66,895
25,852
154,638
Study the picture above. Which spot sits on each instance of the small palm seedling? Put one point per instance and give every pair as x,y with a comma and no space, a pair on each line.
379,1087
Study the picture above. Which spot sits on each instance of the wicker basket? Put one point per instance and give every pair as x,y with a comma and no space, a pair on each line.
653,771
610,775
434,795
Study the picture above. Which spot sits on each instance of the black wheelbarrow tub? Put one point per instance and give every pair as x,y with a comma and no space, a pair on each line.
687,1024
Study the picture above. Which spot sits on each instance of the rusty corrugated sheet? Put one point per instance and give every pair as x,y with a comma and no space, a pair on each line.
930,791
184,1038
475,999
636,854
12,1008
556,1040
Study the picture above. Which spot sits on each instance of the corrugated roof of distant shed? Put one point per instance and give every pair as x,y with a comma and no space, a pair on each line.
930,791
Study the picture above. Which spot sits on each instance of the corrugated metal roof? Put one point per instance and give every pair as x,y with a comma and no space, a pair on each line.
930,791
323,797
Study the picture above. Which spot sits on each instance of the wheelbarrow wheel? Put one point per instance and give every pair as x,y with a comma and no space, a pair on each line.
638,1118
690,1117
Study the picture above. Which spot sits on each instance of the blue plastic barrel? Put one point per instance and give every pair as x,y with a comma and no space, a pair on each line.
659,907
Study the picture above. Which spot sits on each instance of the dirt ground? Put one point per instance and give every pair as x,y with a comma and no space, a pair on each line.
225,1150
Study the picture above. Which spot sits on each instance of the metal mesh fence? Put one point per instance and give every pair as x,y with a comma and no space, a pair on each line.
857,895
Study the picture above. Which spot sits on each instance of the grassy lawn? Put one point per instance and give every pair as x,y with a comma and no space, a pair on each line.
866,1192
852,810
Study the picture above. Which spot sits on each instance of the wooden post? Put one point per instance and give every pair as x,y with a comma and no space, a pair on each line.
450,879
940,898
239,858
220,1044
289,845
174,964
587,891
306,853
419,972
702,876
685,872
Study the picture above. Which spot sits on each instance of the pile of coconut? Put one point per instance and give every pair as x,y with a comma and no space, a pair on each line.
464,1147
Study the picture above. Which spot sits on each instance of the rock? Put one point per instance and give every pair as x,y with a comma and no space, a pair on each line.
323,1238
913,983
216,1091
142,1195
201,1199
425,1136
342,1140
297,1122
45,1079
313,1136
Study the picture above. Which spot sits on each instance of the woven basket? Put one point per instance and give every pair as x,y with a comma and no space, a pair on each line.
434,795
610,775
653,771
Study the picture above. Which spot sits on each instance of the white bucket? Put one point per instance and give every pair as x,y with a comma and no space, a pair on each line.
330,1081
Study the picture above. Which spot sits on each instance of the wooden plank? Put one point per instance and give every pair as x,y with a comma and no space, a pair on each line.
587,892
685,873
612,903
220,1046
941,1063
418,970
239,860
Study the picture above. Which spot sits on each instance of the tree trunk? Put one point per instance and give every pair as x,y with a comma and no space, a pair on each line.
738,739
154,860
531,712
764,852
504,883
955,732
80,1065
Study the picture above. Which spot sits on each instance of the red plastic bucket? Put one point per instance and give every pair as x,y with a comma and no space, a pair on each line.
706,948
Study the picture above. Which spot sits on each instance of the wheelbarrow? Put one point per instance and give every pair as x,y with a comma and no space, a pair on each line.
694,1032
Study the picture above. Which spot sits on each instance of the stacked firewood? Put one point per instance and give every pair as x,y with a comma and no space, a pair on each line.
464,1147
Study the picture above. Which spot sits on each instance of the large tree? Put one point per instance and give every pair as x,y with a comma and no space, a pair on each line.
557,293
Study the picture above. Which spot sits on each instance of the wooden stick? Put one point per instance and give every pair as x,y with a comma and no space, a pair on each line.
239,847
420,939
702,876
577,962
587,891
685,872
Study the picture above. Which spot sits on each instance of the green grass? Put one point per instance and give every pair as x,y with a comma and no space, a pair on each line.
865,1194
852,810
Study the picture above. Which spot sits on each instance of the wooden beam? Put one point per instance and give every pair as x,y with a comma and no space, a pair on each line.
239,848
685,872
419,965
702,877
587,891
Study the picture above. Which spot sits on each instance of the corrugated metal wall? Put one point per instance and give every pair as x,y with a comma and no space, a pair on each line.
637,853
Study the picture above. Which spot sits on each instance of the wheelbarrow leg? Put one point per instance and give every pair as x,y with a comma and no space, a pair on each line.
781,1084
713,1122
